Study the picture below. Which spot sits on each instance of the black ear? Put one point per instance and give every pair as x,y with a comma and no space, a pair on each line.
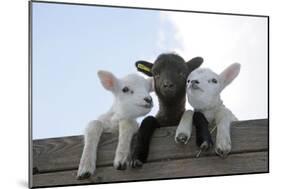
194,63
144,67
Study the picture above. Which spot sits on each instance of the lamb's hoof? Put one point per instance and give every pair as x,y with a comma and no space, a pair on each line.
222,153
121,166
136,163
84,176
206,145
181,138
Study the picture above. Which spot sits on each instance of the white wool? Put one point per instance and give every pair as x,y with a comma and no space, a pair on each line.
206,98
128,105
203,91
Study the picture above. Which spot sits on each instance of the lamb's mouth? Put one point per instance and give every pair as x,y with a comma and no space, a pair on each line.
194,86
168,93
147,106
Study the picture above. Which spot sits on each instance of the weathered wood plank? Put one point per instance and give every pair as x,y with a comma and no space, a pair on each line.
255,162
64,153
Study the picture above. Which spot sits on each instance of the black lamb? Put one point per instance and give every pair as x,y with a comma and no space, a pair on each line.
169,72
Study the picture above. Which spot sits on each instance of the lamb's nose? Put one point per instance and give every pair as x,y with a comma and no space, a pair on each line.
195,82
148,99
168,84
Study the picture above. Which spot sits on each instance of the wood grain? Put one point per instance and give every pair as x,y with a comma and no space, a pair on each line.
59,154
253,162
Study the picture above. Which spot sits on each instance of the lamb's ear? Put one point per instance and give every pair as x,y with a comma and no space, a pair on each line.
229,74
194,63
144,67
108,80
151,84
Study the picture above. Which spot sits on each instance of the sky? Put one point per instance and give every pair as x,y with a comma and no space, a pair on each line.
71,43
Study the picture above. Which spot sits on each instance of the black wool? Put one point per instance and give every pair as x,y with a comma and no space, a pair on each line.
202,131
147,127
171,92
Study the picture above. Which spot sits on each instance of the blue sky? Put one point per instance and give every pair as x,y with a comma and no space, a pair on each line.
70,43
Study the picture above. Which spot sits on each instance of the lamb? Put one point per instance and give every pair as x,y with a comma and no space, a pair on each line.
169,72
203,92
131,100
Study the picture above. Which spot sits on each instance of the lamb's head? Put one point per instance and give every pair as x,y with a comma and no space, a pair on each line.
204,86
169,72
131,94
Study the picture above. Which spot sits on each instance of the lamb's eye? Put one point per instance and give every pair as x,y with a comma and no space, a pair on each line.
182,74
214,80
188,81
156,75
125,89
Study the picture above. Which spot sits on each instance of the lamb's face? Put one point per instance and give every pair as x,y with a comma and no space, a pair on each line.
203,88
169,72
169,78
131,93
133,99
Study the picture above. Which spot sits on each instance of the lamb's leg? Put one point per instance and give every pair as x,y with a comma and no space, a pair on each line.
223,140
127,129
184,129
203,136
92,135
140,152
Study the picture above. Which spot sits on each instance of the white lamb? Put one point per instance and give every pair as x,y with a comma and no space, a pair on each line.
203,92
131,100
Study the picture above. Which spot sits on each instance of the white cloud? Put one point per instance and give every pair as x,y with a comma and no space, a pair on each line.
222,40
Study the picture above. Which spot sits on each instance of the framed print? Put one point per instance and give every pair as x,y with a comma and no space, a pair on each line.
122,94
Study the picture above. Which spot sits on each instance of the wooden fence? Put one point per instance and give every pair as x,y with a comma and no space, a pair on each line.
56,160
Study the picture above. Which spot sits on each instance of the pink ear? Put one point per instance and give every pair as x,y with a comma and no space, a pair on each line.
108,80
229,74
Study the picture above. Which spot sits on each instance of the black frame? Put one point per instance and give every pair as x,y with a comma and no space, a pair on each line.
30,84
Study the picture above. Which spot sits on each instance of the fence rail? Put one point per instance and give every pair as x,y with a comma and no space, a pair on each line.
56,160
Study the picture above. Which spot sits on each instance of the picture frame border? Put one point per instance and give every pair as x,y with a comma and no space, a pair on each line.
30,87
